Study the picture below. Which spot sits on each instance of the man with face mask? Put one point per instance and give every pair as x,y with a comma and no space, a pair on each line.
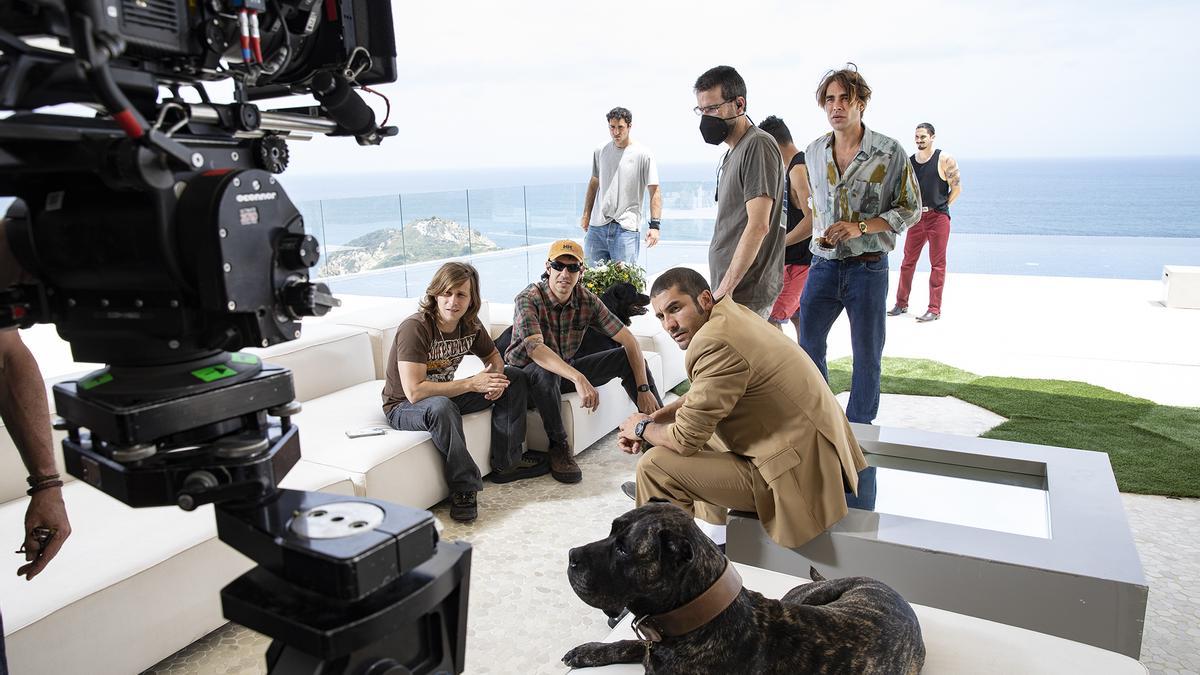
758,431
745,258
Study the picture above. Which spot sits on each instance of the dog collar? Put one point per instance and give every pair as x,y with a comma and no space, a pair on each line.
696,613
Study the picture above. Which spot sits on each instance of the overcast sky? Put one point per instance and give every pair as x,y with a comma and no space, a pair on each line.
527,83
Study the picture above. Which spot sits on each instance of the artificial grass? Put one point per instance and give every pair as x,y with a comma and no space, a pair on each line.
1154,449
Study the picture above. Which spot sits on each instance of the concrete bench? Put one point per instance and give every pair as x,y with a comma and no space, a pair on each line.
954,643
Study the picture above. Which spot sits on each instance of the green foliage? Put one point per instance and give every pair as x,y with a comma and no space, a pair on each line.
1154,449
597,279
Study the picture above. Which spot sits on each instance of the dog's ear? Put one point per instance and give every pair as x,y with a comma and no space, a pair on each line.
674,547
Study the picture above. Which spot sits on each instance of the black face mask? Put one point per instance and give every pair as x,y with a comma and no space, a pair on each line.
715,129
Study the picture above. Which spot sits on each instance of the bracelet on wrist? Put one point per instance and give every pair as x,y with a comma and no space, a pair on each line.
36,480
44,485
655,225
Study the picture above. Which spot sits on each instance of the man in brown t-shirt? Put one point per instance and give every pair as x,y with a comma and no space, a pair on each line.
421,394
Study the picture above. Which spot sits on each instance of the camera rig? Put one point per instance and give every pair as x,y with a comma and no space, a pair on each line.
160,243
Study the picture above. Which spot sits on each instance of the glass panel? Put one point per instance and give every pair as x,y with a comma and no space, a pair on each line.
361,234
981,498
499,241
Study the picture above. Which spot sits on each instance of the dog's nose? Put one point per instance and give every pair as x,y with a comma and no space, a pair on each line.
573,558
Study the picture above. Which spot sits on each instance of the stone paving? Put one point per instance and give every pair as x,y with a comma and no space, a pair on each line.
523,616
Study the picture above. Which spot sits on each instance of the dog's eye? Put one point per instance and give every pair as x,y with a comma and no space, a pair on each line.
620,549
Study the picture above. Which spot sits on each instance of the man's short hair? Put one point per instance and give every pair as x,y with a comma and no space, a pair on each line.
619,113
687,280
928,127
850,79
732,84
778,130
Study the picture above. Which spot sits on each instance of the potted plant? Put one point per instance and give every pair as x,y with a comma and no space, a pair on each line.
599,278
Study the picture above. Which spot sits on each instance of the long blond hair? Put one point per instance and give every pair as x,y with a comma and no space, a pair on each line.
448,276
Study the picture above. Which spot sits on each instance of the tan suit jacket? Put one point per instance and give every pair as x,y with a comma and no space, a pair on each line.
762,396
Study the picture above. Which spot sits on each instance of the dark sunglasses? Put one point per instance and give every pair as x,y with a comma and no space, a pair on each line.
573,268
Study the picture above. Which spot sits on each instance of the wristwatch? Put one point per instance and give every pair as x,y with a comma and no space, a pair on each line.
640,428
654,224
862,227
643,387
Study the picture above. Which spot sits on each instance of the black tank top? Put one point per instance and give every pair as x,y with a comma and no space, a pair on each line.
935,192
798,253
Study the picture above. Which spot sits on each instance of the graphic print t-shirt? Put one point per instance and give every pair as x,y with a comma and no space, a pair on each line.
418,340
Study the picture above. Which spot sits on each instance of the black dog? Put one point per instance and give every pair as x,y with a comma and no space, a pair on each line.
656,560
622,299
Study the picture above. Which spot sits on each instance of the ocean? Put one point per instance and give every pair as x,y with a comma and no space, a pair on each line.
1117,218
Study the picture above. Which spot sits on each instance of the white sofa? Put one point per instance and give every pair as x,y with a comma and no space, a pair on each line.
133,586
954,643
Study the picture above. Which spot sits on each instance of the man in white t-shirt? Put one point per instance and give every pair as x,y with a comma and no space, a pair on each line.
612,212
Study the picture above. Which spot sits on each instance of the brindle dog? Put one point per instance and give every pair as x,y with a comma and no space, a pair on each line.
656,559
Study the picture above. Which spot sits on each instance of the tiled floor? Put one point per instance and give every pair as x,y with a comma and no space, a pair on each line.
523,616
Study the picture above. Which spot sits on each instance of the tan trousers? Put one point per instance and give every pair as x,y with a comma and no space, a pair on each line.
706,484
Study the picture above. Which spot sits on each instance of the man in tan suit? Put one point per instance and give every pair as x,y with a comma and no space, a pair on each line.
758,431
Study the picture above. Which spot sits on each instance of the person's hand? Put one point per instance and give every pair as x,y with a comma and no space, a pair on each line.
646,402
584,222
627,440
489,383
842,230
651,238
591,397
629,447
46,510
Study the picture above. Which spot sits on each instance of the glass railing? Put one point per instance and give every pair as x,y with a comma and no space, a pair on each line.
391,245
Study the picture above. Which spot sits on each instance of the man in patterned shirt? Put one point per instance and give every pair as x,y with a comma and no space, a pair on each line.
549,321
864,194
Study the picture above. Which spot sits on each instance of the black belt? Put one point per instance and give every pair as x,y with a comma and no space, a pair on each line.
865,257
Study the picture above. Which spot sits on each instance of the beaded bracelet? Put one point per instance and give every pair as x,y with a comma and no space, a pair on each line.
44,485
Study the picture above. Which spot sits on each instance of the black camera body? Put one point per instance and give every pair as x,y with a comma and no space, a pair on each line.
160,242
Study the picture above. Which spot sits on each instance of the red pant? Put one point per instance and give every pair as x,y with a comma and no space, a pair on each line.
788,301
933,227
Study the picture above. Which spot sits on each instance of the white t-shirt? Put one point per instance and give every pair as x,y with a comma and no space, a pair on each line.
624,174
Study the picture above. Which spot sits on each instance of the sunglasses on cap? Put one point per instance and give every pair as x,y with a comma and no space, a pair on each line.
573,268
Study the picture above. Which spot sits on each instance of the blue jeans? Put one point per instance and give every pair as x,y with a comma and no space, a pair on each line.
442,418
610,242
861,289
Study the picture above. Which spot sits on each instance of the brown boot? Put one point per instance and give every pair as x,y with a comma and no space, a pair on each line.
562,465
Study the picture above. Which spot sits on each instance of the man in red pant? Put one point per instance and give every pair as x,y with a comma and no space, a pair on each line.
937,174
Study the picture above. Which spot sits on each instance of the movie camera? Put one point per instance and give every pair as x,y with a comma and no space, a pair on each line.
160,243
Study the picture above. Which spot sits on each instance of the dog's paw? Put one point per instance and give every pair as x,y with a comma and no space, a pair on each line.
587,655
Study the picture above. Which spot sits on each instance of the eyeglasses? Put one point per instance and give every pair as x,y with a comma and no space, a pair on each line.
573,268
710,109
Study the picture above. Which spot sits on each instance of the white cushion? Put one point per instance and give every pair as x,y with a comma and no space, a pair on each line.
326,358
400,466
954,643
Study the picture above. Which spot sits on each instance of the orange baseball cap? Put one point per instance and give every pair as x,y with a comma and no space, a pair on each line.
565,247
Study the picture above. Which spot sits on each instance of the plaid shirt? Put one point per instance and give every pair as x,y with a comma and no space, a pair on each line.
561,326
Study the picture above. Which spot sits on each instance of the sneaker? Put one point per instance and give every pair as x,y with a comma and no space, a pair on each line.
897,311
531,465
563,466
630,489
928,316
463,507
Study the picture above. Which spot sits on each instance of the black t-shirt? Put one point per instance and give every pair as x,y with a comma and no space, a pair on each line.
798,253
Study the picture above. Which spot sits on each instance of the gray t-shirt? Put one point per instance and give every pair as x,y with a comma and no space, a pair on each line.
624,174
751,169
